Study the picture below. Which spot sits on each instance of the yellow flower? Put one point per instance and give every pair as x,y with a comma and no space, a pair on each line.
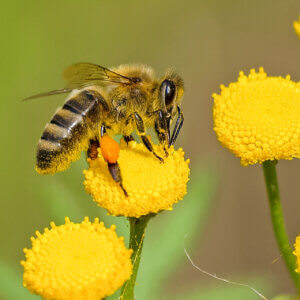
297,253
297,27
152,186
258,117
76,261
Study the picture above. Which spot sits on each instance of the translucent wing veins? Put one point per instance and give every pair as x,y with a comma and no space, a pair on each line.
84,74
81,75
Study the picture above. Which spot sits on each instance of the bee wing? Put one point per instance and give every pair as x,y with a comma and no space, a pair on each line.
55,92
84,74
81,75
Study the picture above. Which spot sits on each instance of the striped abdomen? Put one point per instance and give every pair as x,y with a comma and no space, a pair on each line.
69,131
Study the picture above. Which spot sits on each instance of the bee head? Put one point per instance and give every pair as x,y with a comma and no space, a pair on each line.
171,91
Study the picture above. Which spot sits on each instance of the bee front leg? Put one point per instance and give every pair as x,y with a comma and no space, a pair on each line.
177,128
142,133
162,129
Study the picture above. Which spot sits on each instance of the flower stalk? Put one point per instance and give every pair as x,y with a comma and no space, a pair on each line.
270,174
137,234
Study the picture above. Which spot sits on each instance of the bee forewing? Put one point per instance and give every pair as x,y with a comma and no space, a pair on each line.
85,74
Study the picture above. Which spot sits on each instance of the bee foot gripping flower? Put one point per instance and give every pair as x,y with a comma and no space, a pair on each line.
258,117
76,261
152,186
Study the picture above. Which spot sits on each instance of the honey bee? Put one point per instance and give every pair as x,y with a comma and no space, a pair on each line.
122,100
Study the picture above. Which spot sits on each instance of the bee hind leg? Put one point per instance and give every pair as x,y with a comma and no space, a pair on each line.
94,144
114,168
92,151
115,172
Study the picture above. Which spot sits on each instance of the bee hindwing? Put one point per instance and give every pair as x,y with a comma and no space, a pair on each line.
69,131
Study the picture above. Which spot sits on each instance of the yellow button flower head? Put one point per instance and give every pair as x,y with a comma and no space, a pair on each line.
76,261
297,27
258,117
297,253
152,186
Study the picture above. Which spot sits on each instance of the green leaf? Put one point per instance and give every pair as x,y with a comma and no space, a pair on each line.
11,284
169,231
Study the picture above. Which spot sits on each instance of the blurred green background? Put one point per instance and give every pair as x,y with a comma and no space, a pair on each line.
224,220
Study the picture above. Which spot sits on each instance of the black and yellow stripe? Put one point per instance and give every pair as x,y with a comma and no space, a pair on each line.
69,131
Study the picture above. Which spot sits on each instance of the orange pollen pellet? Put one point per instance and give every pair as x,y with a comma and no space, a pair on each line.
110,149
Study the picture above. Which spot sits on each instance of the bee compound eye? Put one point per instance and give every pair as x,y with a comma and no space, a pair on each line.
169,91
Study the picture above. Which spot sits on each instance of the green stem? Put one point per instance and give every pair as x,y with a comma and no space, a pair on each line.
278,221
137,233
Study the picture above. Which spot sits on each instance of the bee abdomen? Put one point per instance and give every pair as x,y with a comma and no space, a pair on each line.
54,133
68,132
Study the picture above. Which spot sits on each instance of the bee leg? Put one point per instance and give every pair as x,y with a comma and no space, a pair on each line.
115,172
128,138
177,128
102,130
162,129
114,168
142,133
92,151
